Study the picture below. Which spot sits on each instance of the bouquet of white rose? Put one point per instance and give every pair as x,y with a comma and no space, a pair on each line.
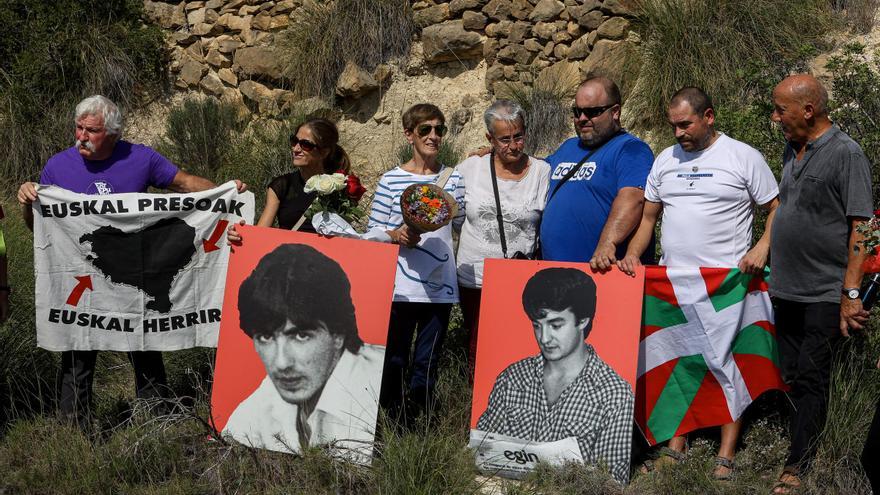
337,193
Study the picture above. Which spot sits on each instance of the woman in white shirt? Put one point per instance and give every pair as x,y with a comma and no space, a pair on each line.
522,183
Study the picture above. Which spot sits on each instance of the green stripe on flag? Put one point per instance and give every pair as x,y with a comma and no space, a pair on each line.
677,395
755,340
659,313
731,291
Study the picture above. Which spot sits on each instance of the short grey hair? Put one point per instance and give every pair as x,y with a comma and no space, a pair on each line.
103,106
504,110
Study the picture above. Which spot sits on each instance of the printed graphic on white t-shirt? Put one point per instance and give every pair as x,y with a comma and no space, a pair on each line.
708,201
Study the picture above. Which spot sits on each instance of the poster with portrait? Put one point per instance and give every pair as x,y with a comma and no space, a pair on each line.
542,391
302,342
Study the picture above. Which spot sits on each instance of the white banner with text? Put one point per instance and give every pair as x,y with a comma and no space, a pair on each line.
132,272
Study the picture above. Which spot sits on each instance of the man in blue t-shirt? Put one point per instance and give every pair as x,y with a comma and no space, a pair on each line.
590,216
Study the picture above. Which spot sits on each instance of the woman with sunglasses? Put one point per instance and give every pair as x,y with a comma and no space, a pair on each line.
521,182
425,286
314,146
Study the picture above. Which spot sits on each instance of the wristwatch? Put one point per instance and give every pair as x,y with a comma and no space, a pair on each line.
851,293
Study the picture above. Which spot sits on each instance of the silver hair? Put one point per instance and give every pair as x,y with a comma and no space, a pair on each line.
103,106
504,110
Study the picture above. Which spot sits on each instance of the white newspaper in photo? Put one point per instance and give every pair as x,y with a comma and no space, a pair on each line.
132,272
512,457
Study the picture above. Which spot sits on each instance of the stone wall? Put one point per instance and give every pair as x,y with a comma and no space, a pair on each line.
519,38
224,48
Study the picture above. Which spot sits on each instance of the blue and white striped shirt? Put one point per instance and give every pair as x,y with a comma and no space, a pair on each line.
426,272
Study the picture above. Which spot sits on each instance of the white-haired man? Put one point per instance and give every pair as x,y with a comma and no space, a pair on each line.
101,162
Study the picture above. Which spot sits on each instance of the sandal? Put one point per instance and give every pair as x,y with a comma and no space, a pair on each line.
788,483
723,462
666,457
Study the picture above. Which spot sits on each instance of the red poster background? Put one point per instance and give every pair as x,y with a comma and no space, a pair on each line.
370,267
506,334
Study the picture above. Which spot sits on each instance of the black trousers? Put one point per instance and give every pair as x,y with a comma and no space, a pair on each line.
78,373
807,334
871,453
408,389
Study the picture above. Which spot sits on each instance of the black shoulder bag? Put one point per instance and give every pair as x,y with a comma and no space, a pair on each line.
519,255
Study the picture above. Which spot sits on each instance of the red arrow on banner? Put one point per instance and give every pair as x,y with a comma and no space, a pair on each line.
211,244
85,282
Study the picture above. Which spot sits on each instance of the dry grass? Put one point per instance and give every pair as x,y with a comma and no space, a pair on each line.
326,35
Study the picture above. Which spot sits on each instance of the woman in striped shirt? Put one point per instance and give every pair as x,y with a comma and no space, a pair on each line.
425,287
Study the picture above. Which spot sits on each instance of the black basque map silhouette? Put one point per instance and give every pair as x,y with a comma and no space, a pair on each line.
147,259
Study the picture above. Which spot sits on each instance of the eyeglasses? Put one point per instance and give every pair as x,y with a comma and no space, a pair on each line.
506,141
590,112
304,144
425,129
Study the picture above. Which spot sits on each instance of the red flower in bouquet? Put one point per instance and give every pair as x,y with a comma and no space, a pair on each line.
354,188
870,231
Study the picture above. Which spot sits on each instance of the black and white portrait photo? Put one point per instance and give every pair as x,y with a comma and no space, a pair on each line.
566,390
322,381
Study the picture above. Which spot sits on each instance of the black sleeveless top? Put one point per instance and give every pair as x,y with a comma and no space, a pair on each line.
294,201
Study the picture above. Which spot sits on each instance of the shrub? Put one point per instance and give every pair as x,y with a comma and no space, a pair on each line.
712,44
53,54
326,35
856,102
27,374
859,14
201,132
547,106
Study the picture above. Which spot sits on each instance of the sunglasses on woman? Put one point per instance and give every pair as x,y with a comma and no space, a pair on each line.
304,144
590,112
425,129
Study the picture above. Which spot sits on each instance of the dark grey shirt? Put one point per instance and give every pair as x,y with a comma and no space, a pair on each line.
810,236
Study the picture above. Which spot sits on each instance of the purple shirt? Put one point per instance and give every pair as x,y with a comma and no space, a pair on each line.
131,168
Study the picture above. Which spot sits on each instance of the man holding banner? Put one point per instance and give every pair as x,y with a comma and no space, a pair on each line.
706,187
100,163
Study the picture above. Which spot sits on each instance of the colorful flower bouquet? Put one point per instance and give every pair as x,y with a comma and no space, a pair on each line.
337,193
870,231
427,207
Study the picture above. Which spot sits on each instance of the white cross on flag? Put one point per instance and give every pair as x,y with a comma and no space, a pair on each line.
708,349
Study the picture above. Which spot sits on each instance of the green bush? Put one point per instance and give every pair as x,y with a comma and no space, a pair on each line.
714,45
53,54
200,133
326,35
856,102
27,374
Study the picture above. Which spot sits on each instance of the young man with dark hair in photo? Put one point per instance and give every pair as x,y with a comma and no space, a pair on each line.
322,381
566,390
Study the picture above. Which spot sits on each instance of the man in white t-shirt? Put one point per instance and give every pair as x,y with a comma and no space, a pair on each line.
706,186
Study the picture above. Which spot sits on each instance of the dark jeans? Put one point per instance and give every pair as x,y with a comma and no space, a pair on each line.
404,397
469,299
807,334
78,372
871,453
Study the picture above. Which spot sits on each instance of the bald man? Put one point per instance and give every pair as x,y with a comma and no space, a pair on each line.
597,184
824,194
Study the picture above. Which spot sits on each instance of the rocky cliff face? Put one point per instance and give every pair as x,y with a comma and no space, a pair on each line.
465,48
225,48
